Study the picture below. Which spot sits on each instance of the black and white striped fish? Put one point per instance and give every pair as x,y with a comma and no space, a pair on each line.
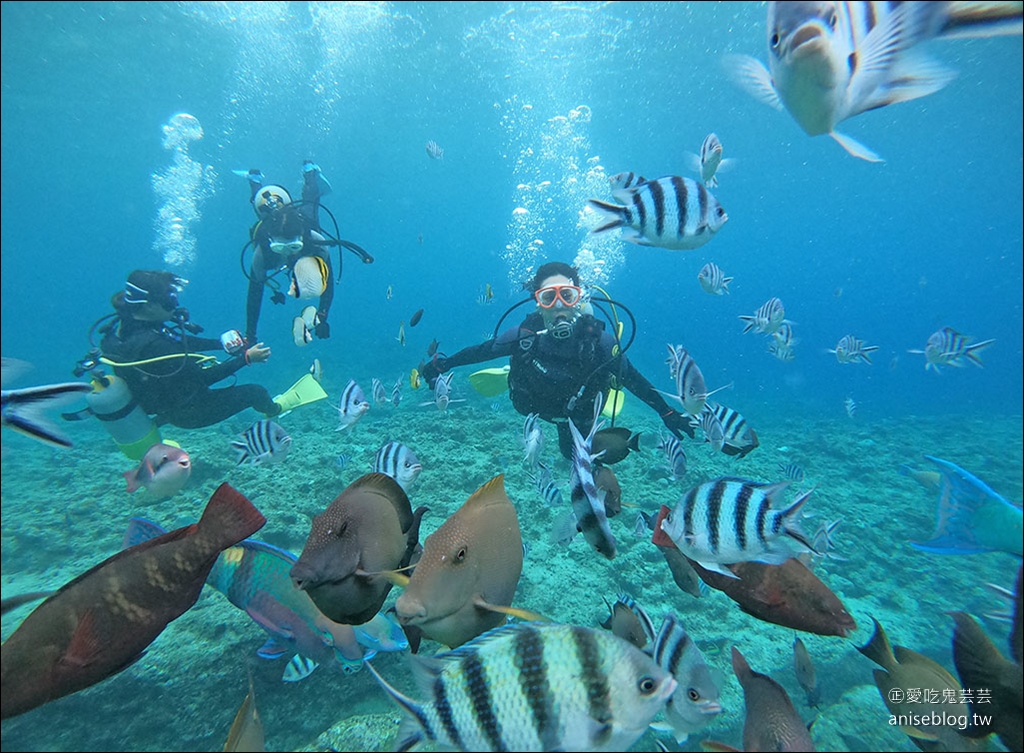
626,180
713,279
709,423
263,442
947,347
377,390
830,61
851,350
675,456
398,461
672,212
851,407
352,406
533,440
434,151
546,486
396,393
532,687
695,703
587,499
767,319
709,162
792,471
731,520
738,438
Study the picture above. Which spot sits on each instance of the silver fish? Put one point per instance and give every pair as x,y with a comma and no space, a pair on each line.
443,392
709,423
738,438
626,180
352,406
396,393
398,461
434,151
792,471
713,279
729,520
587,499
533,440
767,319
805,674
23,409
546,486
851,350
850,406
533,687
675,456
691,390
695,703
377,390
830,61
672,212
709,162
263,442
947,347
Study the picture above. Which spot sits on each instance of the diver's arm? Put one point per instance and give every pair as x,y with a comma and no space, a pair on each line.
675,421
222,370
254,298
485,351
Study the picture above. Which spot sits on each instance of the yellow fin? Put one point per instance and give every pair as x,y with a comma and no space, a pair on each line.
613,403
490,382
306,390
522,614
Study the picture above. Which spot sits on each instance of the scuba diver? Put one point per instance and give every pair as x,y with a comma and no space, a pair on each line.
288,239
560,360
155,351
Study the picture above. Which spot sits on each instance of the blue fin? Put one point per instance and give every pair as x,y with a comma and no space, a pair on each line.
271,650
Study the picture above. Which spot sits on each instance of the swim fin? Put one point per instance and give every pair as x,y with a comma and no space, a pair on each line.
490,382
306,390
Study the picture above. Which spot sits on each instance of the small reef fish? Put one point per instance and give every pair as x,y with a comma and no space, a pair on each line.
481,694
263,442
305,325
709,162
163,471
317,370
614,444
352,406
947,347
729,520
396,393
547,487
675,456
23,410
377,390
851,350
608,485
738,439
434,151
396,460
414,378
533,440
103,620
691,389
767,319
972,517
367,531
673,213
711,426
850,406
415,318
442,393
587,499
771,722
246,733
401,334
432,348
388,293
626,180
695,704
830,61
805,674
713,279
792,471
629,621
466,577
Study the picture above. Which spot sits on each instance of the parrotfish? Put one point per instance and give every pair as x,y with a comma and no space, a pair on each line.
465,580
368,531
102,621
163,471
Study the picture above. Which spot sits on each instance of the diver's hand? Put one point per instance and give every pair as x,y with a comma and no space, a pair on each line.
278,298
432,369
257,354
678,424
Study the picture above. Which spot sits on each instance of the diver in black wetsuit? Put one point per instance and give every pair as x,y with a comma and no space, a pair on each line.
560,360
153,346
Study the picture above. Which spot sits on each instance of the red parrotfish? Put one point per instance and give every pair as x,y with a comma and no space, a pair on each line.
787,594
163,471
101,622
464,583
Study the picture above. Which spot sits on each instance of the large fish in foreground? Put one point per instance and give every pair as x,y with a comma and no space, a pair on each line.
830,61
695,703
101,622
534,687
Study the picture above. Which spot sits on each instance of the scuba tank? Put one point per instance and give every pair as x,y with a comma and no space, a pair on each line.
131,428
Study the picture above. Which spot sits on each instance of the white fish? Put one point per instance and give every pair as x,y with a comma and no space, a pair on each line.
713,279
377,389
671,212
626,180
398,461
850,406
533,440
695,703
767,319
851,350
587,498
263,442
434,151
709,162
947,347
830,61
396,393
23,410
352,406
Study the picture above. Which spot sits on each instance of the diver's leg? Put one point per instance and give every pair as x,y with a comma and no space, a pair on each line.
213,406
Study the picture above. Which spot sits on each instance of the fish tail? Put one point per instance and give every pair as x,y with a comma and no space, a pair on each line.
791,521
415,726
23,409
971,352
751,323
977,660
230,517
614,215
878,649
982,19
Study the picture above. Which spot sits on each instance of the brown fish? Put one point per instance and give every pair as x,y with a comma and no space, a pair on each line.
980,665
615,443
805,673
771,722
16,601
465,580
246,733
903,669
788,594
102,621
629,621
367,531
604,478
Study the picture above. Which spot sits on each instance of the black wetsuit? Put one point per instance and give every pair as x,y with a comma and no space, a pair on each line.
545,373
177,390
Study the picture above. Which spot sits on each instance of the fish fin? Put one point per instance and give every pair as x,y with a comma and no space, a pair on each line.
229,517
613,215
271,626
975,20
913,76
717,567
131,477
714,745
970,352
23,409
395,577
854,148
299,668
750,75
522,614
85,645
878,649
874,58
272,649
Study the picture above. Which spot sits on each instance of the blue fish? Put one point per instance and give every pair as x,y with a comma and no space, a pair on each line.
971,516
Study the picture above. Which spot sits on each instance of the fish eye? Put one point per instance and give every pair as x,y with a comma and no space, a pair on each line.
832,20
692,694
341,530
774,41
720,212
461,554
647,685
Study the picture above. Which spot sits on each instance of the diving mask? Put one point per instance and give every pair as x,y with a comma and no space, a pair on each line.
560,307
569,295
287,247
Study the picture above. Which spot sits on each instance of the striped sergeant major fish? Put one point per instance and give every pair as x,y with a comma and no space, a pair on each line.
713,279
398,461
533,687
263,442
851,406
675,456
626,180
947,347
738,438
709,423
767,319
434,151
695,703
830,61
377,390
546,486
533,440
851,350
352,406
396,392
709,162
729,520
672,212
587,499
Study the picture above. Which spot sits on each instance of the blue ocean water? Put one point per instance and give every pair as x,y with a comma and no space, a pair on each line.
533,104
